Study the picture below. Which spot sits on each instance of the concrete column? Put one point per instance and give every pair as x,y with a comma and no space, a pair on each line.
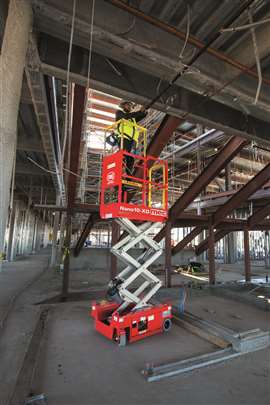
55,233
11,232
14,244
267,249
62,235
168,254
26,231
247,256
230,240
22,231
12,62
20,228
34,235
211,256
230,248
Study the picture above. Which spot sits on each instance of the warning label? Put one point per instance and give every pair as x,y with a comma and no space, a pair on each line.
139,210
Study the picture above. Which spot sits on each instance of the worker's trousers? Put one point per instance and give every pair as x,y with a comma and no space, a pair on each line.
129,160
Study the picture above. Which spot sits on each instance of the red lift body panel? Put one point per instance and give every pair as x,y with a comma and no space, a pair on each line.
136,325
114,177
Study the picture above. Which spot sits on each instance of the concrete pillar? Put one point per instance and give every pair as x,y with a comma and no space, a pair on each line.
230,248
34,235
12,62
11,232
26,231
168,254
230,240
14,243
55,233
211,256
62,235
247,256
22,232
20,228
267,249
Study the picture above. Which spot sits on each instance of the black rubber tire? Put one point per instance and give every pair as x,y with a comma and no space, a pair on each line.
167,324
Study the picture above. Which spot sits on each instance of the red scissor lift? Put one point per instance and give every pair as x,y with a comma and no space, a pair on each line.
141,196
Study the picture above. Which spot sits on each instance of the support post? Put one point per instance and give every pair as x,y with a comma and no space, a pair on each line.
211,255
115,237
168,254
65,283
247,256
12,62
11,233
61,238
54,240
229,253
267,249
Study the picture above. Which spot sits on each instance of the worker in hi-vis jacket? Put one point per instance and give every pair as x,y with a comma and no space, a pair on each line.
128,130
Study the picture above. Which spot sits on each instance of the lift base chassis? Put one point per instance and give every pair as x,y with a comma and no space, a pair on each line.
132,326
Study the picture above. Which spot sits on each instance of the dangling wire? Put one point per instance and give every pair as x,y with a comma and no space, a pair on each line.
67,82
90,43
257,58
181,55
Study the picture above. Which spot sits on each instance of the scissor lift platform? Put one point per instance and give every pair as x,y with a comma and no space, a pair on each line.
128,198
118,187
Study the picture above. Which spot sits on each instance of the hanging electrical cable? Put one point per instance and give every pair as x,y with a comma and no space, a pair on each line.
50,171
90,43
246,26
88,91
67,83
199,53
181,55
257,57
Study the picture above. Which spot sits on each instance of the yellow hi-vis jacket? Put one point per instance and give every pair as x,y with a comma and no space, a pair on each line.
128,129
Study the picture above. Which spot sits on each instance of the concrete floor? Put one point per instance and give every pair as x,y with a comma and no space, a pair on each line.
78,366
17,276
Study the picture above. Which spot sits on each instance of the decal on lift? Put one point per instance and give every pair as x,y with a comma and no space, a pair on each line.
139,210
110,178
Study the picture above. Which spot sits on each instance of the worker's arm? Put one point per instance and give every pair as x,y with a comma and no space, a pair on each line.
138,115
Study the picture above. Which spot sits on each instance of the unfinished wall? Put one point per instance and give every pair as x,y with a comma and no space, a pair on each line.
99,258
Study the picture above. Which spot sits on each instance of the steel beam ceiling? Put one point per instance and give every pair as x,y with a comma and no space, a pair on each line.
187,239
253,222
76,137
222,158
219,234
259,215
87,228
242,195
141,87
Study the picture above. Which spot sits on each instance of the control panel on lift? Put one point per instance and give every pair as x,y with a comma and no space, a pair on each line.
134,185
